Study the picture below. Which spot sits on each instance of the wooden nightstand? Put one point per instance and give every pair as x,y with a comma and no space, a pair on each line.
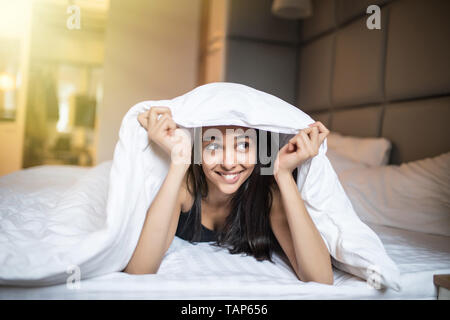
442,282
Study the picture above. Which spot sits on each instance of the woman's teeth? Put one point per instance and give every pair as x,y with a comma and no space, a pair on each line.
230,178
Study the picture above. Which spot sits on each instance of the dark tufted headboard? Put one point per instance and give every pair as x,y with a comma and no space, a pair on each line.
392,83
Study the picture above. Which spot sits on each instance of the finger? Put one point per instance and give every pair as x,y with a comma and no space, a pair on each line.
323,131
144,114
315,136
322,128
307,130
292,143
315,142
306,139
307,142
161,109
285,148
291,146
157,127
159,121
161,125
301,147
156,111
143,119
171,126
294,139
322,134
165,123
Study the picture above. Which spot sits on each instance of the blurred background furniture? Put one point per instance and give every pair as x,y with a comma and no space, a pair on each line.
442,282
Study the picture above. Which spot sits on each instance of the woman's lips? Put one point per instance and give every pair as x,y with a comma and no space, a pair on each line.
229,178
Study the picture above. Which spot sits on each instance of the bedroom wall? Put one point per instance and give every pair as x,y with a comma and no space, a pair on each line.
246,43
392,82
262,49
151,53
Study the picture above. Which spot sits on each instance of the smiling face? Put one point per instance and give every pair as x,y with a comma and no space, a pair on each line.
228,156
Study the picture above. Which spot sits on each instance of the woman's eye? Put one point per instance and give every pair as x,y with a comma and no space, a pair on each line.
242,145
212,146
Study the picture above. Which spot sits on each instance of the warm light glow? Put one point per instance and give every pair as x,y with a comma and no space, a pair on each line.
12,17
7,82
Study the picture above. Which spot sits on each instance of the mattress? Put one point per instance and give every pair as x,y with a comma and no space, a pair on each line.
203,271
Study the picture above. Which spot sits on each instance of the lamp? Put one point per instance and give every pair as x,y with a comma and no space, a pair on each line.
292,9
7,82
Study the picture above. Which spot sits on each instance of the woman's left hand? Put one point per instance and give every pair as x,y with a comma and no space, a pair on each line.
300,148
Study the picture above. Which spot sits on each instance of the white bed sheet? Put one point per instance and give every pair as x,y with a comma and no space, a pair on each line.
205,272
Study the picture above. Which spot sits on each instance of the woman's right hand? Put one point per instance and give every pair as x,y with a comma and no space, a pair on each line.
163,131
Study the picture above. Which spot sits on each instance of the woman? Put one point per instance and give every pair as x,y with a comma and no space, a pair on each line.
227,199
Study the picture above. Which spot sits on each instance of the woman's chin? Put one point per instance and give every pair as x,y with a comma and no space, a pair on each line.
229,189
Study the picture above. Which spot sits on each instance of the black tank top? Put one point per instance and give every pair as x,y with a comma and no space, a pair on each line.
207,235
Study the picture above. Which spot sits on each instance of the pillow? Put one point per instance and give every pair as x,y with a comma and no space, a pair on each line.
341,163
370,151
413,196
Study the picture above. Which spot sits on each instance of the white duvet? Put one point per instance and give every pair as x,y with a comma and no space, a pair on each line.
95,225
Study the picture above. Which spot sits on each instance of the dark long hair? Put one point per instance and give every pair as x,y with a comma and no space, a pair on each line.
247,227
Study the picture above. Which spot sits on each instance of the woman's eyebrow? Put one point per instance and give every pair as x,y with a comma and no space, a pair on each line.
209,138
243,136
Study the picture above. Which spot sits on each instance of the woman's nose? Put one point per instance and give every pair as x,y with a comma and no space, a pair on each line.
229,159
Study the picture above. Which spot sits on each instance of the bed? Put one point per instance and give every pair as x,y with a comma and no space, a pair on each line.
202,271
